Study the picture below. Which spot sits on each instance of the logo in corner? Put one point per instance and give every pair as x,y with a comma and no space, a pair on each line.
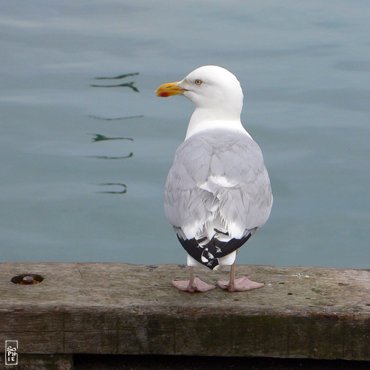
11,352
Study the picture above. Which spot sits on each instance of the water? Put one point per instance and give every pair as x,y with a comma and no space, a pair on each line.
305,70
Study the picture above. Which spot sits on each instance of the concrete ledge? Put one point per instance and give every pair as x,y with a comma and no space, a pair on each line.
79,308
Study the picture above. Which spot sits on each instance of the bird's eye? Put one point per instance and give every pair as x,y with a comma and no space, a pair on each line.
198,82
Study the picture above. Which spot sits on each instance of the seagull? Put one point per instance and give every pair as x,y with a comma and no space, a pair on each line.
218,191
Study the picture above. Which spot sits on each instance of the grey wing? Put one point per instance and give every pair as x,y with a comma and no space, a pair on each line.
186,203
217,192
242,185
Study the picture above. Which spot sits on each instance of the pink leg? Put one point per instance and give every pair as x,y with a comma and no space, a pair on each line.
193,285
238,285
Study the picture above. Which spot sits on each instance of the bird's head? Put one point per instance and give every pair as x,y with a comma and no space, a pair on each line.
208,87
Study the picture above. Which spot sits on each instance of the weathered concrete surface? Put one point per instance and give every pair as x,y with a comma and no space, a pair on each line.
130,309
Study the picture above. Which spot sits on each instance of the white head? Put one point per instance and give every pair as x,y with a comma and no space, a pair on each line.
209,87
216,93
213,87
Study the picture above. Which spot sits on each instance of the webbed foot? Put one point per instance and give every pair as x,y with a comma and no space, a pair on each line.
239,285
194,286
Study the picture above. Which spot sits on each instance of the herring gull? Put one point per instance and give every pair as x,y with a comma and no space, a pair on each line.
218,192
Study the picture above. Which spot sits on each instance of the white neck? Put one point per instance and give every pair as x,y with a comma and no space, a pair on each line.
205,119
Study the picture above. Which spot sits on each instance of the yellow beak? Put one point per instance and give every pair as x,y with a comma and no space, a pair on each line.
169,89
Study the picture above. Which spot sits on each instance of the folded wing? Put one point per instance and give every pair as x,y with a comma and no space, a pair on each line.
217,194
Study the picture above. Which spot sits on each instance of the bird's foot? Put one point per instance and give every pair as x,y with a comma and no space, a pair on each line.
192,287
240,285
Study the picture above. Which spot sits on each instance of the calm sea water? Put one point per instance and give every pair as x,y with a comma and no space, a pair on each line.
67,193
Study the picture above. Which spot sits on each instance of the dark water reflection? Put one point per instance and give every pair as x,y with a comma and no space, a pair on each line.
118,77
112,157
122,188
100,137
130,84
115,118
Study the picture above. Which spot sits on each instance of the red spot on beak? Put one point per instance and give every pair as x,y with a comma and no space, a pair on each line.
164,94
